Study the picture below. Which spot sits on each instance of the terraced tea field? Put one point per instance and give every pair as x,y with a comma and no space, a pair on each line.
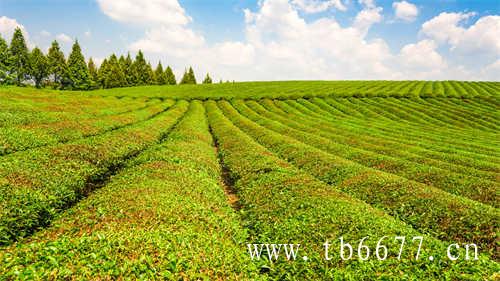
173,182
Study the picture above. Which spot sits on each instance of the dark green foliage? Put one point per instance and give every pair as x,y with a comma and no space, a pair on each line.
150,75
142,73
192,78
170,76
188,77
56,64
4,60
102,73
126,65
78,74
185,78
19,57
38,66
160,75
114,76
207,79
94,77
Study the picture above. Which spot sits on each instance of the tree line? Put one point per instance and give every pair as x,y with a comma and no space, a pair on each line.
19,66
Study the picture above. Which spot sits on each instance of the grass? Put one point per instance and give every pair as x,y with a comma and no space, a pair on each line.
38,184
172,182
155,228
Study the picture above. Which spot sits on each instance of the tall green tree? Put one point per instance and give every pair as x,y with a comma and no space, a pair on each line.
170,76
160,75
192,78
126,65
56,63
188,77
207,79
94,77
185,78
150,75
102,73
4,62
18,57
122,62
38,66
114,77
78,73
141,71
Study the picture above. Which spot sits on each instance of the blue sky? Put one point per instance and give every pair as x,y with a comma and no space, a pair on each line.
277,39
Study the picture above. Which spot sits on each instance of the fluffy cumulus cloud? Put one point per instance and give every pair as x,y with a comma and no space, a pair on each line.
280,44
288,47
482,36
367,17
317,6
491,71
476,45
405,11
7,27
421,59
165,22
147,12
177,40
64,38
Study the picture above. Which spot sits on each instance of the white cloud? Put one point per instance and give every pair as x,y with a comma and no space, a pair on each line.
45,33
491,71
147,12
234,53
405,11
174,39
445,28
165,22
366,18
280,44
422,56
317,6
367,3
288,47
483,36
7,27
87,33
474,46
64,38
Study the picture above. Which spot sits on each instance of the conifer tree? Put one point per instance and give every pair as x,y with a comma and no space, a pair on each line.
4,60
114,77
18,57
122,62
207,79
170,76
78,73
185,78
102,73
127,70
141,71
150,76
160,75
188,77
56,63
94,77
192,78
38,66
